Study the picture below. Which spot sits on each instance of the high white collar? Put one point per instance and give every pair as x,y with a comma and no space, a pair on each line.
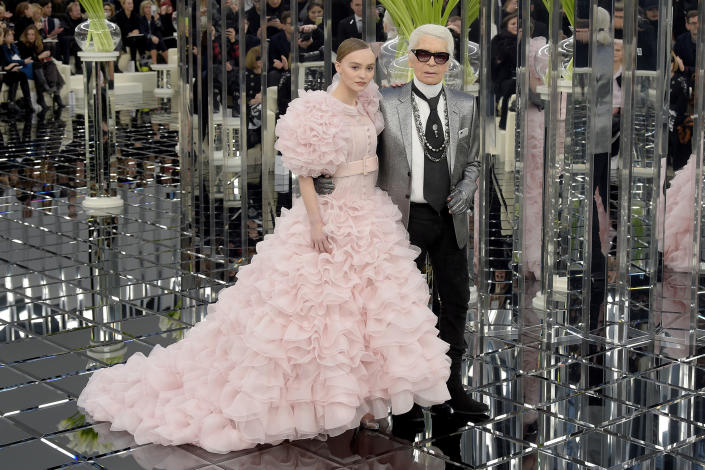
429,91
357,18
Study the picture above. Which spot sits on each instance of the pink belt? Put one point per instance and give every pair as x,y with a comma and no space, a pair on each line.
364,166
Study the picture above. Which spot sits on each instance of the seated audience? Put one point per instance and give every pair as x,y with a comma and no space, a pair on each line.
46,75
151,34
16,72
351,26
684,46
166,24
67,43
128,20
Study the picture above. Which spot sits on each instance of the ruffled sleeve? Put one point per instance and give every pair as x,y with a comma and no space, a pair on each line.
310,136
368,101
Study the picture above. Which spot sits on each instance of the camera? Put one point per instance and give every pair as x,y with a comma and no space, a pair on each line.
305,36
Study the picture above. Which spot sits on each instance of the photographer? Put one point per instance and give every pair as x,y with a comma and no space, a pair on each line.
311,34
274,10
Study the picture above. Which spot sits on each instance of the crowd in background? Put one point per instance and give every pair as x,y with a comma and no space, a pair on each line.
38,37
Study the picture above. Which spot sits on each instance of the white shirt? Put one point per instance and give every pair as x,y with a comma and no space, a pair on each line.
417,153
358,23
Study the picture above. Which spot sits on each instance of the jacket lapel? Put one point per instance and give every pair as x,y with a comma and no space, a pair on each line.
406,117
454,123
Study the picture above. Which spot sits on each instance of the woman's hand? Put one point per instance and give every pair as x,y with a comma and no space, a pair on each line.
155,40
319,239
28,60
257,99
281,64
44,54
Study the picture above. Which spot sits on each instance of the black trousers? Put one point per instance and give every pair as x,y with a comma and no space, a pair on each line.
434,234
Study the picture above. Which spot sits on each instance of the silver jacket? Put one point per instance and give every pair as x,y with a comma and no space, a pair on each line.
394,147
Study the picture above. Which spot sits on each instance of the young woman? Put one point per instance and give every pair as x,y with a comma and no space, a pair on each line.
328,325
17,72
46,76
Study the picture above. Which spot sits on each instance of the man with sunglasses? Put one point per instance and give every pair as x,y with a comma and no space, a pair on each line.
428,164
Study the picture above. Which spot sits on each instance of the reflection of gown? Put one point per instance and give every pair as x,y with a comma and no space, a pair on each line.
678,226
304,343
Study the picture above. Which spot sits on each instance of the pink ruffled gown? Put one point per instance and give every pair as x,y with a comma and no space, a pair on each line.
304,344
677,244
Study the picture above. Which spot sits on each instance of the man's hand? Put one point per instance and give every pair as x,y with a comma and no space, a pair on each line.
305,44
230,33
323,185
461,197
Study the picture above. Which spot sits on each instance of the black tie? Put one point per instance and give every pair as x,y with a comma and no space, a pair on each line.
436,179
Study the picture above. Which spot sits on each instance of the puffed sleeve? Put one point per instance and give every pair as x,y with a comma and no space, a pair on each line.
311,135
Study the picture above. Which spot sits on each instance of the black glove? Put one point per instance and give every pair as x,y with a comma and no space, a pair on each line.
462,196
323,184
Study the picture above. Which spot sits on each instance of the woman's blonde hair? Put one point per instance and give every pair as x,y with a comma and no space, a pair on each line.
144,4
251,58
350,45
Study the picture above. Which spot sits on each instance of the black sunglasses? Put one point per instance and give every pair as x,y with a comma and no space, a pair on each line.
424,56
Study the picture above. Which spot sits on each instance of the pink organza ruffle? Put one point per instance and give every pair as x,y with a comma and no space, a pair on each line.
311,136
678,228
303,344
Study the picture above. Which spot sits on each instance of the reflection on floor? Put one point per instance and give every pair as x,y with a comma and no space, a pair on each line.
65,312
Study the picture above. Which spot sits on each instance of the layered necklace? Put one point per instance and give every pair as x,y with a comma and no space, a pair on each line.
430,151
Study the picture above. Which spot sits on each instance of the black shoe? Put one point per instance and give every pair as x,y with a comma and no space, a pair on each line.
42,104
12,108
414,414
461,402
531,433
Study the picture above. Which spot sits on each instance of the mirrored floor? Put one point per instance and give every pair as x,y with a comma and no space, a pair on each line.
82,292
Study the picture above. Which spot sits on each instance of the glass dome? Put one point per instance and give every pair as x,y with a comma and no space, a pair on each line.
97,36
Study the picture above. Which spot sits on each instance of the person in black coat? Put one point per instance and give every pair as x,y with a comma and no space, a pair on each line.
504,64
67,44
23,17
312,40
684,48
166,23
151,33
46,76
279,50
11,64
351,26
128,20
274,11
